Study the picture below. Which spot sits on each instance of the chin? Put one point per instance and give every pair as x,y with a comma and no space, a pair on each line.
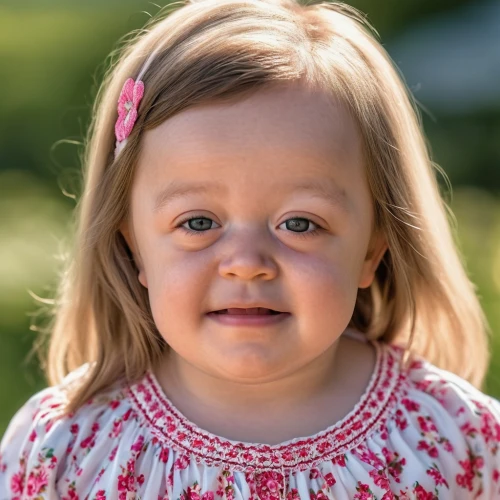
251,365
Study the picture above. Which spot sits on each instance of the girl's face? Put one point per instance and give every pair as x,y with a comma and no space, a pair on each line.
259,235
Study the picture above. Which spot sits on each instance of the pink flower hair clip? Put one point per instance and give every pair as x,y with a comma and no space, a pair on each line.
128,104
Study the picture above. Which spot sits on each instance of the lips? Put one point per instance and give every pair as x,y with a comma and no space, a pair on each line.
254,311
254,317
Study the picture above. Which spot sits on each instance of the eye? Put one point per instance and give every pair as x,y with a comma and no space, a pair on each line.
199,230
302,222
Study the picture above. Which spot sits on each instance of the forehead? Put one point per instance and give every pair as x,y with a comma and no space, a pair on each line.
283,137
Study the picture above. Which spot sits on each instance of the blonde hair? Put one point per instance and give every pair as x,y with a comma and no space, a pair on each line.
213,50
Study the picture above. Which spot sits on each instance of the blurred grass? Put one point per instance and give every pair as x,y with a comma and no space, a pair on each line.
478,217
33,224
52,55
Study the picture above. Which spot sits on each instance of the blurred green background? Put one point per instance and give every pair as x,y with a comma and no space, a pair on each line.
53,54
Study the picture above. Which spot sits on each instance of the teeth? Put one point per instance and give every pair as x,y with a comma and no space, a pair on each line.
252,310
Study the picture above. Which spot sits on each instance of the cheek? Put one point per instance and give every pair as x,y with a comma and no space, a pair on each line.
177,287
325,288
321,284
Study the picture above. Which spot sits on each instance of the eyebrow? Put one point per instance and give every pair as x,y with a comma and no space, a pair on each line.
324,190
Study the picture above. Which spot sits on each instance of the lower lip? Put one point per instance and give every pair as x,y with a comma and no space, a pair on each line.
248,319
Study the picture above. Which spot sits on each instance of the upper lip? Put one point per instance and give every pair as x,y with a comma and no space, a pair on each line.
249,305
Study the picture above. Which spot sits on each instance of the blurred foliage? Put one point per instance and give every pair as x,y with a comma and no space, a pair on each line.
53,56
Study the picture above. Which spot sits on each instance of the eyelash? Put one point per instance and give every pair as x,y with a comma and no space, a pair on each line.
190,232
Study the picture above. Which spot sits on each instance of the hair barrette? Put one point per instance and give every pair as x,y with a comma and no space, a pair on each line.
128,104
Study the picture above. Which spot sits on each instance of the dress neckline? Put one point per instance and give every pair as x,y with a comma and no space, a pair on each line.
174,430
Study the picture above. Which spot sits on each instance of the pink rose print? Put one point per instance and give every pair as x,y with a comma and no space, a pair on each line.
330,480
128,102
394,466
471,468
317,496
182,462
194,493
72,494
339,460
17,482
164,454
437,476
37,482
293,494
125,482
380,479
269,485
410,405
137,446
430,449
363,492
400,420
313,474
490,428
496,475
422,493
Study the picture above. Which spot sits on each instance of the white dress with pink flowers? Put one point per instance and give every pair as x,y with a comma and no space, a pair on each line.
418,433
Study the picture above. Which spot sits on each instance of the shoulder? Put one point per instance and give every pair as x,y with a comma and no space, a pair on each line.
451,423
40,437
454,394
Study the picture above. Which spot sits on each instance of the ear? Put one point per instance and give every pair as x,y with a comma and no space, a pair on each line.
375,254
128,234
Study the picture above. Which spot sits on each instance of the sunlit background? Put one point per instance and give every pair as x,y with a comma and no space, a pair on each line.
53,53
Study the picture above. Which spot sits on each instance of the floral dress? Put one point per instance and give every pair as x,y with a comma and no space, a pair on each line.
416,433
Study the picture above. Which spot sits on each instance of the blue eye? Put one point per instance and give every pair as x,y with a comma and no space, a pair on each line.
191,232
303,222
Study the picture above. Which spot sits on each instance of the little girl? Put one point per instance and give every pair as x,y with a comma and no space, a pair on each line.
317,338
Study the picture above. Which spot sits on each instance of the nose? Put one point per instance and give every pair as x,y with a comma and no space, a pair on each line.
248,255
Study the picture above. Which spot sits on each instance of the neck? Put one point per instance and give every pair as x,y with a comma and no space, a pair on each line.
301,403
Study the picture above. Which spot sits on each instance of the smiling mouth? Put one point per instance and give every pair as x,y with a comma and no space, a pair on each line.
254,311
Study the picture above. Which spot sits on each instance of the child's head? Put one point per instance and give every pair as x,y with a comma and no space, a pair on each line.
249,100
281,154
